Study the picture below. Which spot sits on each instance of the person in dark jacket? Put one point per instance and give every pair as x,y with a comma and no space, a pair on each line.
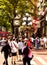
25,56
6,49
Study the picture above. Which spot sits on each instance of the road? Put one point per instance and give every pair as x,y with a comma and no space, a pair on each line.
40,58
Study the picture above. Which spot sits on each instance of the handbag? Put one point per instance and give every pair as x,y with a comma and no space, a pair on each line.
31,57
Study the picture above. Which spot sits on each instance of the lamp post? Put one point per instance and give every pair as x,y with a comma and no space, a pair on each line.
27,21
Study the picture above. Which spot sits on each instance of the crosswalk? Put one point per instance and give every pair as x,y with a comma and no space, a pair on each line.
37,60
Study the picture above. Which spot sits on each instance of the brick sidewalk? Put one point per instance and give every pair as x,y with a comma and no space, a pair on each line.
40,51
37,60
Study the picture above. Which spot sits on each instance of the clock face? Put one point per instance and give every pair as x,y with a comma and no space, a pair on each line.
16,22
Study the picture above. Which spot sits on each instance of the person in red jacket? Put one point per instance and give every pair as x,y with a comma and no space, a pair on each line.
29,43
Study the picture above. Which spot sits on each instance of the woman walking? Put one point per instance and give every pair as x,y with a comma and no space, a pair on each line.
26,55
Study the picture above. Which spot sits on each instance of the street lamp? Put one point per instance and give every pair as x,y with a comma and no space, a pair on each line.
27,21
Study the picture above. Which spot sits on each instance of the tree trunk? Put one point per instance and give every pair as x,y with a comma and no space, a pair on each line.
12,27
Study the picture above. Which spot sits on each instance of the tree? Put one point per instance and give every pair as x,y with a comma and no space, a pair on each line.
4,17
8,10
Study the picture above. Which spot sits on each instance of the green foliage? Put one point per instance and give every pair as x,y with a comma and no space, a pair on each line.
8,10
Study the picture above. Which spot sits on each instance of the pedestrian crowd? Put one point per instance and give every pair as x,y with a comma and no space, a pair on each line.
21,50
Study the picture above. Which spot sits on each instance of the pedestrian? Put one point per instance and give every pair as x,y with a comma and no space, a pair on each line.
14,49
3,41
29,42
42,42
20,46
37,42
26,55
6,49
32,41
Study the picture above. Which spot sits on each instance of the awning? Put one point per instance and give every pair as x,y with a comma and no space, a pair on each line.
2,33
